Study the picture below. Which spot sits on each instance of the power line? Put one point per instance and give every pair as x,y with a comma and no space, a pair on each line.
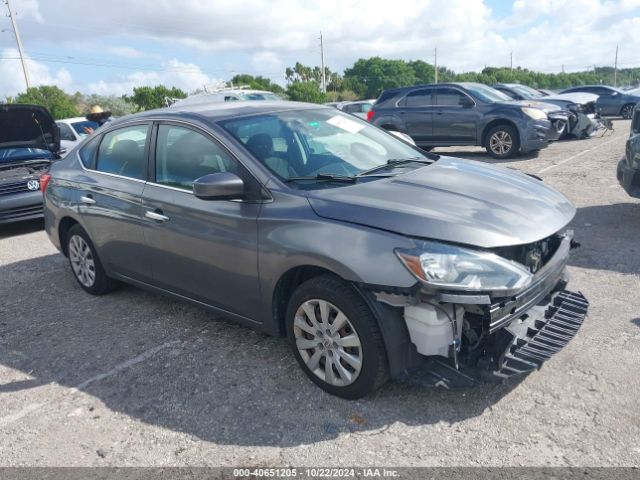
19,42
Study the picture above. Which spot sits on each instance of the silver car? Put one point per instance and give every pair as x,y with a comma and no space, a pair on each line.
375,259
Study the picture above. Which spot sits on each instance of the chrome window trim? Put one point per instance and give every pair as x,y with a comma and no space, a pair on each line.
103,133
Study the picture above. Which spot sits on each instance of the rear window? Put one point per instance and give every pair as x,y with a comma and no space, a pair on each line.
385,97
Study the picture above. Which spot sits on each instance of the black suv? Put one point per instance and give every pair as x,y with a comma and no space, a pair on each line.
629,166
452,114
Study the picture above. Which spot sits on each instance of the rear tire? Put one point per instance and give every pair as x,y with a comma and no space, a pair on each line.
85,264
502,142
627,111
335,338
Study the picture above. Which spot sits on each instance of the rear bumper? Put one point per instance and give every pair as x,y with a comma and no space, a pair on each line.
21,206
628,178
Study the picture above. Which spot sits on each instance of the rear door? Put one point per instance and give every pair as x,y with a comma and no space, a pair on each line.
607,103
453,122
205,250
110,199
417,115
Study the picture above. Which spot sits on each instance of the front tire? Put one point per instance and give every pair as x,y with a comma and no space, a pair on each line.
335,338
85,264
627,111
502,142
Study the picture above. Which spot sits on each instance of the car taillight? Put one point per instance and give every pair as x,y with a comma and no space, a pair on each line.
370,115
44,181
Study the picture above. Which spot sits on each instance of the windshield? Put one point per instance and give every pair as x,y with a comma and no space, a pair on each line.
527,92
487,94
80,127
8,155
307,143
260,96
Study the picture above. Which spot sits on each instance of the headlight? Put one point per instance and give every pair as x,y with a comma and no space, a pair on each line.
534,113
454,268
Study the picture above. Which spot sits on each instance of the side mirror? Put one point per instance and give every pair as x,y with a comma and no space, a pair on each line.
219,186
466,102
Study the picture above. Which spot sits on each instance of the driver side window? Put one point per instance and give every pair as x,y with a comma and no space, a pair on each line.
184,155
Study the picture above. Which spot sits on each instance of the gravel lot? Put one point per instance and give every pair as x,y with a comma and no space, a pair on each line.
138,380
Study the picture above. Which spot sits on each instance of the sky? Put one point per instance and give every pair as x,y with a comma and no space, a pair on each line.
110,47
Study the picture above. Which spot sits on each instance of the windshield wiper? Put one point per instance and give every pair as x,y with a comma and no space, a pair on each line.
395,162
325,176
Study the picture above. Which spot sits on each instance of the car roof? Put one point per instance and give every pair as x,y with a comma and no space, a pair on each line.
223,110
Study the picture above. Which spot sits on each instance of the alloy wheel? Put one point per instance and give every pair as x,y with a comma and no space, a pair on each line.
327,342
500,142
627,111
82,261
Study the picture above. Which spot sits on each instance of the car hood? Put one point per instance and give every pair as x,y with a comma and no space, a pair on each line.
546,107
581,98
452,200
28,126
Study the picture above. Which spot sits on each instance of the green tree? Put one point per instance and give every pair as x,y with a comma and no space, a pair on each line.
59,103
369,77
305,92
257,83
148,98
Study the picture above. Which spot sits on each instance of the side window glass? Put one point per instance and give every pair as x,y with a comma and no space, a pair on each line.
448,97
418,98
122,152
66,133
88,151
184,155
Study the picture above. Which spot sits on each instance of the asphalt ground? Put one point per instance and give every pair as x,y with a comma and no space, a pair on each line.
134,379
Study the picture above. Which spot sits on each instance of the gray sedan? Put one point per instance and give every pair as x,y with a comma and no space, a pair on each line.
375,259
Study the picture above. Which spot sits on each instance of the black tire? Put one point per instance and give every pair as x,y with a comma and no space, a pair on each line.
501,130
626,111
374,370
101,284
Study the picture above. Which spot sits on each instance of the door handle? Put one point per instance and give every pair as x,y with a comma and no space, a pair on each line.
156,215
88,199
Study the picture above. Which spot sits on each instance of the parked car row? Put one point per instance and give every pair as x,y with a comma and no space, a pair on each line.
270,213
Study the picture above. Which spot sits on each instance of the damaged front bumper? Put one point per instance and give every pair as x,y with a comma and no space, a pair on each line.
462,340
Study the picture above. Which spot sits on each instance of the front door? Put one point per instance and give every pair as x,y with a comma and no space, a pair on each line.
416,112
453,122
205,250
109,199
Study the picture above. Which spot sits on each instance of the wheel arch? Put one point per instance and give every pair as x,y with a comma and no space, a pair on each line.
64,226
286,285
495,123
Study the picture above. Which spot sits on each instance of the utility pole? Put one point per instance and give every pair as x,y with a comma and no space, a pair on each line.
19,42
511,61
324,78
563,68
435,61
615,69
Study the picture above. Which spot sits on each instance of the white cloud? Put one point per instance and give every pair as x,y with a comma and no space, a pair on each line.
124,51
264,37
186,76
12,79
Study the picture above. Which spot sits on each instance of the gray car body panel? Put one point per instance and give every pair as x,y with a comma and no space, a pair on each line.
628,171
471,124
486,206
247,247
609,105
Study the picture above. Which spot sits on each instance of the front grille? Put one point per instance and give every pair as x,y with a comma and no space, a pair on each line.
14,187
547,336
18,213
534,255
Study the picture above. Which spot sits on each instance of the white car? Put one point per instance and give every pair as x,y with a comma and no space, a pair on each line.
226,95
72,131
358,108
